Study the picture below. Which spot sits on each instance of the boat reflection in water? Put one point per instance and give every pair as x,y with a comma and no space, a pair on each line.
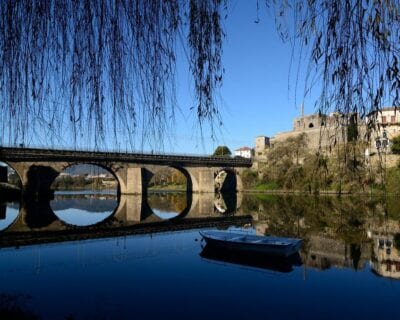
257,260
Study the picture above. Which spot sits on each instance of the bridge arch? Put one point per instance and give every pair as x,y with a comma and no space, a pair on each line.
15,168
154,170
106,167
227,180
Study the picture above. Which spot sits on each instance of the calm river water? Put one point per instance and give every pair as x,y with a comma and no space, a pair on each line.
93,256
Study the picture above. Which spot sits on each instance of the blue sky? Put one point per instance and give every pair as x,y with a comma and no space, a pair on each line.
258,96
258,93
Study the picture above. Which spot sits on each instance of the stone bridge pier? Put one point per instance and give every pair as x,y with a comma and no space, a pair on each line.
134,180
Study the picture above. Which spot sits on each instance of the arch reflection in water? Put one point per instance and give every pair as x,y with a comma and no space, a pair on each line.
225,203
168,205
84,209
8,214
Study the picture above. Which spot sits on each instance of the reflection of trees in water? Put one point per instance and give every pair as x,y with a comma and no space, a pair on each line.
92,203
337,231
168,202
339,217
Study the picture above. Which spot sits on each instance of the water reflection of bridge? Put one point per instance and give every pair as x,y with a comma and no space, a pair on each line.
37,222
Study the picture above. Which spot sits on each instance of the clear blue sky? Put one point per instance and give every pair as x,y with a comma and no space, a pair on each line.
258,92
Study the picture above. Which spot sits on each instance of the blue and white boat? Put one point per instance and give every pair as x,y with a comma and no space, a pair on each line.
277,246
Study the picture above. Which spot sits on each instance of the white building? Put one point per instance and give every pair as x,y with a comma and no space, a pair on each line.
388,127
244,152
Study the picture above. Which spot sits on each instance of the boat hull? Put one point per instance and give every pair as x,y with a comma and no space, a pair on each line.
274,247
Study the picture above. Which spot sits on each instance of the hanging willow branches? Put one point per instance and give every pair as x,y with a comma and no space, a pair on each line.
103,67
353,48
91,69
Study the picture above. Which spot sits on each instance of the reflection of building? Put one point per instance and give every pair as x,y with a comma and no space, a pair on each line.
386,258
325,253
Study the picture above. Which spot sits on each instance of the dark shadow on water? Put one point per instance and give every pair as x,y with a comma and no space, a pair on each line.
252,260
38,214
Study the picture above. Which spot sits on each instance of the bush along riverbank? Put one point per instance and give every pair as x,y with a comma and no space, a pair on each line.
290,167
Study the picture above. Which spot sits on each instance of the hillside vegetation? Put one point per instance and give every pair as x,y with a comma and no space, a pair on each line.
291,165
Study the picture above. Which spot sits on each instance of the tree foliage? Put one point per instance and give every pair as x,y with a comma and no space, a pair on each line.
222,151
284,161
292,165
395,147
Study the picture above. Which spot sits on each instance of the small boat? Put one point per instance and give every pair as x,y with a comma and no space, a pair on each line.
277,246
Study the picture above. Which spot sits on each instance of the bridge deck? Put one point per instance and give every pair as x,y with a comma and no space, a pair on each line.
38,155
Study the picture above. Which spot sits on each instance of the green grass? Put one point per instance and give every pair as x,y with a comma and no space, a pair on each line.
267,186
168,187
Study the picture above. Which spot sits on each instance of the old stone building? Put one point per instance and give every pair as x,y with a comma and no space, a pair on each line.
327,131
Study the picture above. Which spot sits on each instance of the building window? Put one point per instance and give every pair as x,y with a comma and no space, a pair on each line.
392,119
384,119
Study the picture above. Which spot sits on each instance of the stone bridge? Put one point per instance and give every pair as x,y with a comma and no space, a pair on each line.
38,168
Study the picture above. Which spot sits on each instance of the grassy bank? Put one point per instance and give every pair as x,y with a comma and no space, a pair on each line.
168,187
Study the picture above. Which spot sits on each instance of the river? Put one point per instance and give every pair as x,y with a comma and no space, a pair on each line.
94,256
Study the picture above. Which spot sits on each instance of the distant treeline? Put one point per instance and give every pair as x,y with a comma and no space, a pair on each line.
81,182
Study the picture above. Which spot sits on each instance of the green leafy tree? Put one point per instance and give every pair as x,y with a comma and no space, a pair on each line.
396,145
222,151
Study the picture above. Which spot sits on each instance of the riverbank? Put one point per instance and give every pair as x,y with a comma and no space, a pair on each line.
373,192
168,188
